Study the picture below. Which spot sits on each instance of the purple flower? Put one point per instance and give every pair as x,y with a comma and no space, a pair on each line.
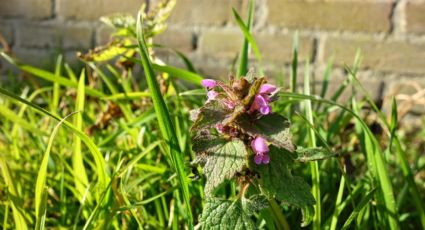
208,83
212,95
261,104
261,149
267,89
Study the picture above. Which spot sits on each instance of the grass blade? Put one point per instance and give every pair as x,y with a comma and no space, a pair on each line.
126,96
358,208
294,65
56,86
40,185
326,77
338,206
8,114
17,213
179,73
164,119
250,39
243,59
80,176
315,175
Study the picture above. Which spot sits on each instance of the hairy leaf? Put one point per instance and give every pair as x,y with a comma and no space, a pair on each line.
225,214
254,203
276,180
313,154
222,158
209,115
274,128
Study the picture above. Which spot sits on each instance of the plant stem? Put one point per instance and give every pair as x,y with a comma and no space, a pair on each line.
278,217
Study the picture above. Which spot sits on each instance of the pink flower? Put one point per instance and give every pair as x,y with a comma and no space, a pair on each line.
212,95
261,104
267,89
262,99
208,83
261,149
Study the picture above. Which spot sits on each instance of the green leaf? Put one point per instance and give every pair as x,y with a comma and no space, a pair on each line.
223,159
289,189
254,203
225,214
209,115
313,154
274,128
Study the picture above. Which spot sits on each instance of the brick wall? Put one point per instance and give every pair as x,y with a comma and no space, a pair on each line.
390,33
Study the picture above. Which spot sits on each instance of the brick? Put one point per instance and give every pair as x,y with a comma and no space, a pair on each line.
37,9
41,58
207,12
94,9
415,17
273,48
70,57
397,56
178,39
103,35
33,35
221,44
6,31
369,16
77,37
278,48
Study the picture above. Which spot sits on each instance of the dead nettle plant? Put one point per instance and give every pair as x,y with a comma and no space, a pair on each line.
236,136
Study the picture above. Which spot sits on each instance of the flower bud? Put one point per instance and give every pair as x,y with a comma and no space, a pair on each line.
208,83
259,145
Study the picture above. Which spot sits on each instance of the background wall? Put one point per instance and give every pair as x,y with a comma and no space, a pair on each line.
391,34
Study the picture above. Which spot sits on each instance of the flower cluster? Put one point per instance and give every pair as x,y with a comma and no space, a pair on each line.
258,106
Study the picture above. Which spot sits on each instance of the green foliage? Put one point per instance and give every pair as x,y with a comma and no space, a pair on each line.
223,160
274,128
288,189
225,214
